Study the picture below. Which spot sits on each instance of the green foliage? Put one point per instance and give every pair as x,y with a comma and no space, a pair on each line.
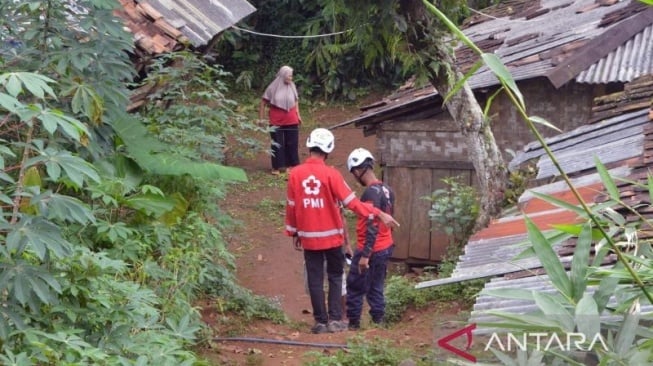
273,209
401,294
581,302
159,158
101,265
583,294
353,57
364,352
454,209
339,49
189,111
517,183
242,301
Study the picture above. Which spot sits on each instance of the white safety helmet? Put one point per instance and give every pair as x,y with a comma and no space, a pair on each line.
358,157
322,139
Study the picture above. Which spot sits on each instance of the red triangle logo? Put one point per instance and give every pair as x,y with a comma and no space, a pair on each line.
444,342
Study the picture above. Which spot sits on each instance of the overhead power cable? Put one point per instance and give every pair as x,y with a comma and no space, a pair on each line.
282,36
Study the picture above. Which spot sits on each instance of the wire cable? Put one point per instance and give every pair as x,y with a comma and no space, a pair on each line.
281,36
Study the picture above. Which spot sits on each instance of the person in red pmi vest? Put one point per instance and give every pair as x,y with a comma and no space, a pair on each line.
314,194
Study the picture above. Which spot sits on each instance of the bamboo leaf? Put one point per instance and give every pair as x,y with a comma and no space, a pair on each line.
560,203
452,27
553,237
505,359
587,316
459,84
554,310
628,329
543,122
549,259
501,71
522,321
606,289
609,184
488,104
580,262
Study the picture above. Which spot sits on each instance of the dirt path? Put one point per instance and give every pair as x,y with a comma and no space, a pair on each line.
269,266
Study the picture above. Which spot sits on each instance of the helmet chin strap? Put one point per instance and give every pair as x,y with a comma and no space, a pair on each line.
359,177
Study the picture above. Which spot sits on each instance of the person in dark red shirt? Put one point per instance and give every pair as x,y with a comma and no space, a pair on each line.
283,102
374,244
313,217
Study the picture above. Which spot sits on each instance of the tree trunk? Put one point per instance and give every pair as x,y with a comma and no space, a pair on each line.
425,38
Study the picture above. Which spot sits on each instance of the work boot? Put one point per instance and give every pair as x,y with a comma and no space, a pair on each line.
354,324
319,328
379,322
336,326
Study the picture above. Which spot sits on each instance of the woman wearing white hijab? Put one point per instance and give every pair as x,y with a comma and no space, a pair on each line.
283,103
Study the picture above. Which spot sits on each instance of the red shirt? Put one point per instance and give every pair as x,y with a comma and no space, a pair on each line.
281,117
312,209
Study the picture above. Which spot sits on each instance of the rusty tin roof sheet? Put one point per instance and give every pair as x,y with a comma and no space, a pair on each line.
623,142
161,25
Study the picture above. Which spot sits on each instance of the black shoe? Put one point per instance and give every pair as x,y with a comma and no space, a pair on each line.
380,323
319,328
336,326
354,325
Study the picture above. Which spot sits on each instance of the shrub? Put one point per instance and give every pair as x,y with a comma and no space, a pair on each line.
454,209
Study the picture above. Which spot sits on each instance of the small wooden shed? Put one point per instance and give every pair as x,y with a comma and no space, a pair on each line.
562,55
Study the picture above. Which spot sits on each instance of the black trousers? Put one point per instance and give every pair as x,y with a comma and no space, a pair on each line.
285,141
369,284
315,275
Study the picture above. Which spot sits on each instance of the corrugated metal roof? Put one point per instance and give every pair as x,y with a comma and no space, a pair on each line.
624,142
629,61
200,20
163,25
556,39
614,139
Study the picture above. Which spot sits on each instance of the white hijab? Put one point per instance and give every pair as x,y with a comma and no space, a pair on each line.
281,94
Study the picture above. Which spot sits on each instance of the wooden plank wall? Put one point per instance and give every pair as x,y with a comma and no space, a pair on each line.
416,240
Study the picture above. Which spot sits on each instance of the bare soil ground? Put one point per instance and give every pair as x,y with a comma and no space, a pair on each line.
269,266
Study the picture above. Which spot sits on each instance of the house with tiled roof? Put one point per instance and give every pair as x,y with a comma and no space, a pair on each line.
562,54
